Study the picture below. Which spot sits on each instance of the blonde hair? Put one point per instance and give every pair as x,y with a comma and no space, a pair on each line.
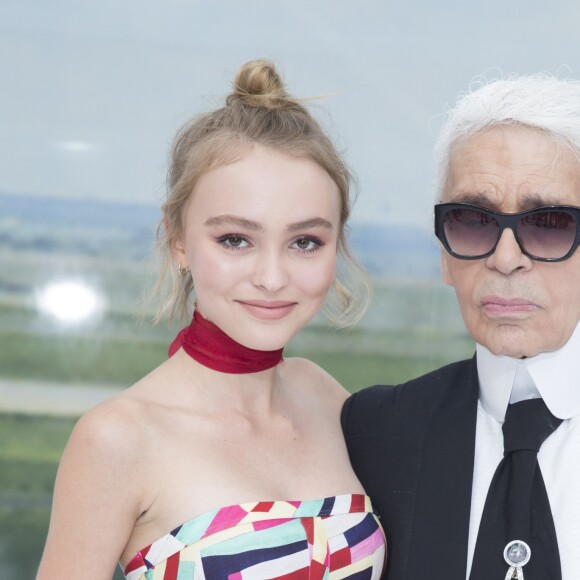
258,111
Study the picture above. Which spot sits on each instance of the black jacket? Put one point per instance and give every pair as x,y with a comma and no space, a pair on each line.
412,447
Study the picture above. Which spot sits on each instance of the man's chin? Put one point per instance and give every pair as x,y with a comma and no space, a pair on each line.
513,341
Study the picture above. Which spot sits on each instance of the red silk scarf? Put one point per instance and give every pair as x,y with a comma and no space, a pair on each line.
203,341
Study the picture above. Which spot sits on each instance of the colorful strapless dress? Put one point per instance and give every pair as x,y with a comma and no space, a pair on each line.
336,537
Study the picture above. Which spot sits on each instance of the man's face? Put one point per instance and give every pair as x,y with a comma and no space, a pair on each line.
511,304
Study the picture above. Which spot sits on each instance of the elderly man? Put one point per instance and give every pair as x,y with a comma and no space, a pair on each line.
475,467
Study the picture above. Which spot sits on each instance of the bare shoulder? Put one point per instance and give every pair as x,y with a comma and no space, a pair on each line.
117,436
115,427
98,492
307,375
125,421
110,439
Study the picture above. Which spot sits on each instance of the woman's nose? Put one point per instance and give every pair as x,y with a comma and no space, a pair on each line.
270,271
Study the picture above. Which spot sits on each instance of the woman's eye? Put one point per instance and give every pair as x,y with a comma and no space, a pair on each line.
234,242
306,244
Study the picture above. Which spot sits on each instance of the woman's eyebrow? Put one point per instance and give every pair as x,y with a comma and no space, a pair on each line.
227,219
311,223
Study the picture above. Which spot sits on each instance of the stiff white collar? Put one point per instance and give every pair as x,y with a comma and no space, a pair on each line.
554,376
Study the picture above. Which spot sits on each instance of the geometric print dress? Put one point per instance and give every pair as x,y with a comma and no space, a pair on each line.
331,538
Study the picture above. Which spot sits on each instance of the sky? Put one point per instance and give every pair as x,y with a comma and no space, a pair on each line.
91,93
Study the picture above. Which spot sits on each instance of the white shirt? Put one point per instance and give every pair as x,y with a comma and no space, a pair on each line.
554,376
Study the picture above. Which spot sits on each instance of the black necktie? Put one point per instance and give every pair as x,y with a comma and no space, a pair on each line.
517,508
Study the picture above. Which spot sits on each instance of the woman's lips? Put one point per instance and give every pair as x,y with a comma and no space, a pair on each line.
507,306
268,310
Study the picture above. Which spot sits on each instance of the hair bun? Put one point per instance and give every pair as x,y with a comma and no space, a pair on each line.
258,84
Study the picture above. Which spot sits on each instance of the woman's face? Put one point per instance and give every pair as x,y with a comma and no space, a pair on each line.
260,238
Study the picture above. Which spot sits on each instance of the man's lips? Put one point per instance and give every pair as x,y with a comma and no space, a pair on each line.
500,306
268,309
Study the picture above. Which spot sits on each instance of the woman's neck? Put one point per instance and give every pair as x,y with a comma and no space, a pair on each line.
250,394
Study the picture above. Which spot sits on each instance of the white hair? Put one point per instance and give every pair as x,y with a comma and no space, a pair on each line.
539,101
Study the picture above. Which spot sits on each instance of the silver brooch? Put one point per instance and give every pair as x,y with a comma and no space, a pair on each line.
517,554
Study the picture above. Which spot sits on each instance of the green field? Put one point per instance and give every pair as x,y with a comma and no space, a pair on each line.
408,330
120,361
31,447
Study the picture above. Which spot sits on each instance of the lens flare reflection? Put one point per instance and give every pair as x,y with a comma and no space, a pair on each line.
70,301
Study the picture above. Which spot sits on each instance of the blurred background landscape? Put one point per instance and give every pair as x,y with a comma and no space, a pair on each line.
91,94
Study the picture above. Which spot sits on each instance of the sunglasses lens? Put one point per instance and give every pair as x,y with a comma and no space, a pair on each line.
470,233
547,234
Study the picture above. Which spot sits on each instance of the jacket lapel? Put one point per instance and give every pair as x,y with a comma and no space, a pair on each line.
443,502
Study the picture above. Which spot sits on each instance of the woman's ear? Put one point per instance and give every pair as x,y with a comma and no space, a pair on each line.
178,252
176,245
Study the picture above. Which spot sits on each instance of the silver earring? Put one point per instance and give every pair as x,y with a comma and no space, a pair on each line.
183,270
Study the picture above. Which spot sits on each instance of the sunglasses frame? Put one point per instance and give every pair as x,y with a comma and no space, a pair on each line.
504,220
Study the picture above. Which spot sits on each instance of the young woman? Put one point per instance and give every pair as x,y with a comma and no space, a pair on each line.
228,461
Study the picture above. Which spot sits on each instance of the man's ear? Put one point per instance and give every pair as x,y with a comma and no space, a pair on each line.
445,276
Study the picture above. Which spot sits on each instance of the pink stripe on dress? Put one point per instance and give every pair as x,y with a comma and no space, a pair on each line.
368,546
225,518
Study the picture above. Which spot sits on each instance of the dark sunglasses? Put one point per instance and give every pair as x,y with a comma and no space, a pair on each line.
470,232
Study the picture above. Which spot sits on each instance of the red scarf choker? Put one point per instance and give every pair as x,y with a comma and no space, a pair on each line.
203,341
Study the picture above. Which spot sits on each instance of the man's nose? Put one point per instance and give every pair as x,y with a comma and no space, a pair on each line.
508,256
270,272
